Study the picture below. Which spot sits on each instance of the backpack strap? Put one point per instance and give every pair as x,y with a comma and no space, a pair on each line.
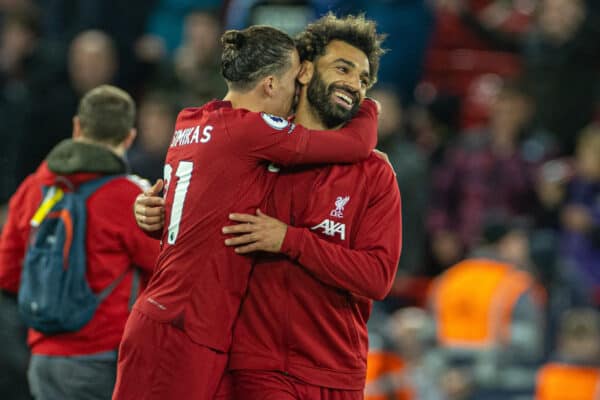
54,194
135,285
85,190
107,290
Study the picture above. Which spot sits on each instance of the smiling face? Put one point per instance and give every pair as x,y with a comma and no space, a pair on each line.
339,83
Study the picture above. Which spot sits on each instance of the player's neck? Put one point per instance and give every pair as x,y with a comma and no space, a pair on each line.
117,149
244,100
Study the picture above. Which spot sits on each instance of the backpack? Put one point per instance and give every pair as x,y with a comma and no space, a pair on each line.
54,295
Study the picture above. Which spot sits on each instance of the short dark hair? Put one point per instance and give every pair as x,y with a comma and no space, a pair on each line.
106,114
254,53
355,30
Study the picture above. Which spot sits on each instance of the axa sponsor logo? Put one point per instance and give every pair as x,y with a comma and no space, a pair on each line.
331,228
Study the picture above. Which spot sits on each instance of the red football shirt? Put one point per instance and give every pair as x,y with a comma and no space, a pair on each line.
218,163
306,310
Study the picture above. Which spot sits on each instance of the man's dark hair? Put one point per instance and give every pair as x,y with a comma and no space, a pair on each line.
254,53
352,29
106,114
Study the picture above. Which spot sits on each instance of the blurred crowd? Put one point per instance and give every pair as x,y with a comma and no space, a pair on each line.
490,117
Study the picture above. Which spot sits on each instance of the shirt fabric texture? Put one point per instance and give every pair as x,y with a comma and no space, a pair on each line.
306,310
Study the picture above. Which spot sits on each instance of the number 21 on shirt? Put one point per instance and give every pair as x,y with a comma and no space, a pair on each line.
184,175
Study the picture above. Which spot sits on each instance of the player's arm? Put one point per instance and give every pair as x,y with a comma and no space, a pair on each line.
368,269
15,233
275,139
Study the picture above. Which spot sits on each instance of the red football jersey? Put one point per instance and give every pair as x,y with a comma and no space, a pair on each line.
220,161
306,311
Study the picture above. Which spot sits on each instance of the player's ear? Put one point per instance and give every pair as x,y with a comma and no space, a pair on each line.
269,85
307,69
128,141
76,128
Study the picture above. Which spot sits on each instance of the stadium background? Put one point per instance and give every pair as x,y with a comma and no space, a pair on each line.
484,103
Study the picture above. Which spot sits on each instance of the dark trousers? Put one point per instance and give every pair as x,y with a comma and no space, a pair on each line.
74,378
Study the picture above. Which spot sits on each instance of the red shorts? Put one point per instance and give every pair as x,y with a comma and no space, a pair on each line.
271,385
158,361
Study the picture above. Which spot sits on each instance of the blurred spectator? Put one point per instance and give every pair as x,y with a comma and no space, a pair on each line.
478,100
197,59
432,123
485,172
290,16
30,71
488,315
64,19
92,61
408,25
569,193
560,55
167,17
579,337
12,6
20,53
81,364
411,173
458,63
574,372
551,180
156,119
194,73
123,21
14,353
385,377
403,373
580,215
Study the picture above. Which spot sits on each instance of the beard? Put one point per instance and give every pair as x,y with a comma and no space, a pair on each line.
320,97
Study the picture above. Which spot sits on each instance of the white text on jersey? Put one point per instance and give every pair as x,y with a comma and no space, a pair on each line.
191,135
330,228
